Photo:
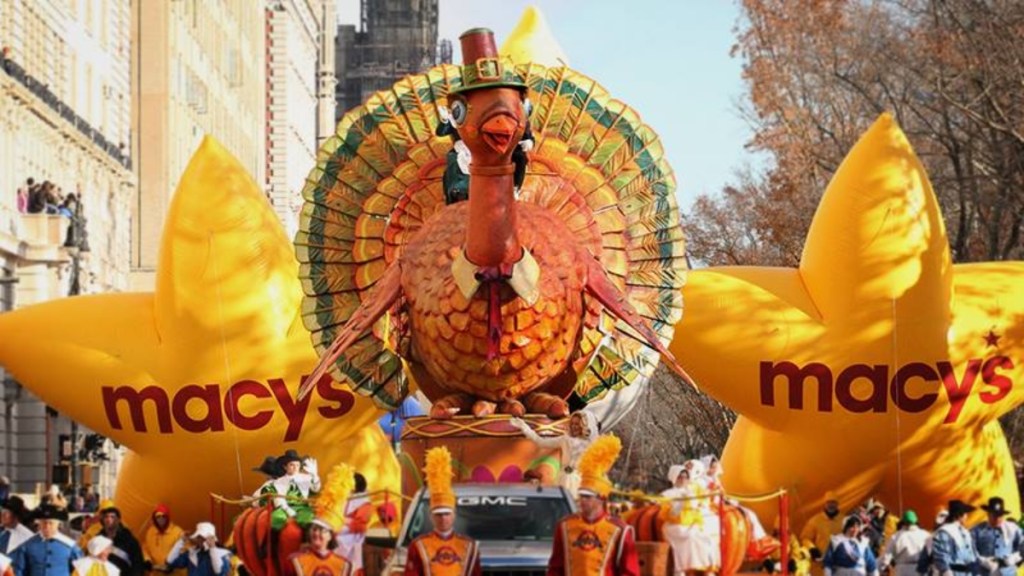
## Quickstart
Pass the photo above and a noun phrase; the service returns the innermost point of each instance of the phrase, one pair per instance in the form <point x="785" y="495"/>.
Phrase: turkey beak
<point x="498" y="132"/>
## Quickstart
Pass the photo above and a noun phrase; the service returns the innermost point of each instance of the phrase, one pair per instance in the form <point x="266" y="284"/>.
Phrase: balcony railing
<point x="14" y="70"/>
<point x="43" y="229"/>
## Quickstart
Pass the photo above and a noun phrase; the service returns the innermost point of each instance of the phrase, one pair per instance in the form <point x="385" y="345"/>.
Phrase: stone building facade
<point x="394" y="38"/>
<point x="64" y="117"/>
<point x="198" y="68"/>
<point x="300" y="97"/>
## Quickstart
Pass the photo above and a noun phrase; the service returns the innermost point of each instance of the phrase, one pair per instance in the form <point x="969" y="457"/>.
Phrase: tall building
<point x="300" y="97"/>
<point x="394" y="38"/>
<point x="64" y="117"/>
<point x="111" y="98"/>
<point x="198" y="68"/>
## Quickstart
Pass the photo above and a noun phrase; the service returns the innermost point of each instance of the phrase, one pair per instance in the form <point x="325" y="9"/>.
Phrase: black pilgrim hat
<point x="50" y="512"/>
<point x="995" y="506"/>
<point x="288" y="456"/>
<point x="15" y="505"/>
<point x="958" y="508"/>
<point x="269" y="467"/>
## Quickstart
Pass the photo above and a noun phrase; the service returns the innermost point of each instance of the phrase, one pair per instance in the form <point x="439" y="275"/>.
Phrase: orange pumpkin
<point x="262" y="551"/>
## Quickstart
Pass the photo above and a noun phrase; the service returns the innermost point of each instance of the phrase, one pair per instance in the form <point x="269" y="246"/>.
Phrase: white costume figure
<point x="905" y="547"/>
<point x="714" y="474"/>
<point x="352" y="535"/>
<point x="96" y="563"/>
<point x="583" y="430"/>
<point x="691" y="526"/>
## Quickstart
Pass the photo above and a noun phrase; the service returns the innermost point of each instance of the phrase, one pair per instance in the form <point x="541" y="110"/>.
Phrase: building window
<point x="7" y="282"/>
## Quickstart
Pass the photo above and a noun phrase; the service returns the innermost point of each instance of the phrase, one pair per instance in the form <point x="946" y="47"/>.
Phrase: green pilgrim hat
<point x="482" y="67"/>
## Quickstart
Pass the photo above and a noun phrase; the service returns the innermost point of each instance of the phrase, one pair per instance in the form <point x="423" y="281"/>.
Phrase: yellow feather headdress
<point x="330" y="504"/>
<point x="439" y="478"/>
<point x="595" y="463"/>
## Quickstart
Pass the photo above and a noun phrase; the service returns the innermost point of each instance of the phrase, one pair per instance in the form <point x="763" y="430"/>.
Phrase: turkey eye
<point x="458" y="112"/>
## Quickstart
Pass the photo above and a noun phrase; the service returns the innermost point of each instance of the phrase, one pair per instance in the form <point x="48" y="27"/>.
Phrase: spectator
<point x="97" y="563"/>
<point x="879" y="526"/>
<point x="849" y="554"/>
<point x="952" y="545"/>
<point x="48" y="553"/>
<point x="159" y="539"/>
<point x="924" y="561"/>
<point x="12" y="516"/>
<point x="91" y="501"/>
<point x="816" y="533"/>
<point x="904" y="549"/>
<point x="997" y="541"/>
<point x="36" y="199"/>
<point x="50" y="197"/>
<point x="23" y="196"/>
<point x="68" y="206"/>
<point x="5" y="488"/>
<point x="127" y="554"/>
<point x="55" y="497"/>
<point x="200" y="554"/>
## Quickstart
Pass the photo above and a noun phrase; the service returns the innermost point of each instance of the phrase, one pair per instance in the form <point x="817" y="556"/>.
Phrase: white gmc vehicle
<point x="514" y="523"/>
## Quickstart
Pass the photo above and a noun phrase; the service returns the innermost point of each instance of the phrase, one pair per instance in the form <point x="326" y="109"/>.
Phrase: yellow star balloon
<point x="532" y="41"/>
<point x="198" y="378"/>
<point x="875" y="368"/>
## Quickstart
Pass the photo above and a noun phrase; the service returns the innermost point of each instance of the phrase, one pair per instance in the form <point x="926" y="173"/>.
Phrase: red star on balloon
<point x="992" y="339"/>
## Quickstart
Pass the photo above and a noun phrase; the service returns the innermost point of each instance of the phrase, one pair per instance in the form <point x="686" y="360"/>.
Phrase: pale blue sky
<point x="668" y="60"/>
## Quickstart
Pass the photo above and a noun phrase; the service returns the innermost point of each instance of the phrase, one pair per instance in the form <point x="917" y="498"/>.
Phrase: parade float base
<point x="488" y="449"/>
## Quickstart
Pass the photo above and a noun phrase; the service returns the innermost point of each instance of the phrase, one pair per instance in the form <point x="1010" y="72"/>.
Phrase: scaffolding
<point x="394" y="38"/>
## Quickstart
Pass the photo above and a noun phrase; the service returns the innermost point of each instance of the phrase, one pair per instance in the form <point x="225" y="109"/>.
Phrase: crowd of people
<point x="36" y="542"/>
<point x="867" y="541"/>
<point x="870" y="540"/>
<point x="46" y="198"/>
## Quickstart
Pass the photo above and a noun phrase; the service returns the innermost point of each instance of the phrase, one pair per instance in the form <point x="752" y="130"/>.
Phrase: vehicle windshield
<point x="497" y="518"/>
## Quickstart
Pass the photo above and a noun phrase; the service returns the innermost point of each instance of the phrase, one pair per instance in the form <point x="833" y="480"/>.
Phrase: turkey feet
<point x="452" y="405"/>
<point x="547" y="404"/>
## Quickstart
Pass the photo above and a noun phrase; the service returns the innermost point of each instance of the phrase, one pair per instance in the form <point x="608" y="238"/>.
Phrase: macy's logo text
<point x="217" y="408"/>
<point x="957" y="389"/>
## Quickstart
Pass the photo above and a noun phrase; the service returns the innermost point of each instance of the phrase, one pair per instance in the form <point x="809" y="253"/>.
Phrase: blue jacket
<point x="199" y="563"/>
<point x="953" y="550"/>
<point x="849" y="554"/>
<point x="1003" y="544"/>
<point x="39" y="557"/>
<point x="11" y="538"/>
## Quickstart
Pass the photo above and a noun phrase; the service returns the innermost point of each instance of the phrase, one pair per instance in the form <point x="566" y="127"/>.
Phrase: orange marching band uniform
<point x="316" y="558"/>
<point x="603" y="547"/>
<point x="599" y="545"/>
<point x="311" y="562"/>
<point x="436" y="553"/>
